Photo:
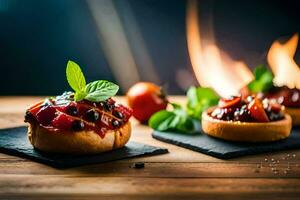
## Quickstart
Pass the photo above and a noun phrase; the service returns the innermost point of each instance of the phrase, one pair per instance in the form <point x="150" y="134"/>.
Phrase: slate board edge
<point x="187" y="146"/>
<point x="214" y="154"/>
<point x="59" y="165"/>
<point x="62" y="165"/>
<point x="158" y="151"/>
<point x="20" y="154"/>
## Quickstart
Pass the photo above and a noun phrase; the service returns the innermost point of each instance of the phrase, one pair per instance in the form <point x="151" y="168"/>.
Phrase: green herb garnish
<point x="174" y="120"/>
<point x="263" y="80"/>
<point x="199" y="99"/>
<point x="95" y="91"/>
<point x="185" y="120"/>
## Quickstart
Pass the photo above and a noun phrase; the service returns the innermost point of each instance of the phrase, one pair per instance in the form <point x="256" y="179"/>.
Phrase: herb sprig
<point x="176" y="119"/>
<point x="263" y="80"/>
<point x="95" y="91"/>
<point x="199" y="99"/>
<point x="185" y="120"/>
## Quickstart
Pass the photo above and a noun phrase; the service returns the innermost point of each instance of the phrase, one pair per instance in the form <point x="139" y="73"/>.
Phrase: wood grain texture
<point x="180" y="174"/>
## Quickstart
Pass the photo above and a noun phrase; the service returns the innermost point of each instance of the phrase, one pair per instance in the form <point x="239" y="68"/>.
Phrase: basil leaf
<point x="75" y="77"/>
<point x="176" y="106"/>
<point x="100" y="90"/>
<point x="95" y="91"/>
<point x="159" y="117"/>
<point x="192" y="97"/>
<point x="263" y="80"/>
<point x="176" y="120"/>
<point x="186" y="125"/>
<point x="199" y="99"/>
<point x="79" y="96"/>
<point x="165" y="124"/>
<point x="181" y="120"/>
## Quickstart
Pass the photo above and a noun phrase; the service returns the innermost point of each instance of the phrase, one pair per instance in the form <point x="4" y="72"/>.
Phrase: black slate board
<point x="14" y="141"/>
<point x="224" y="149"/>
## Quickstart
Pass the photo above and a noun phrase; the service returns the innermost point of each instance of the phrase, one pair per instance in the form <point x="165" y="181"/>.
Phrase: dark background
<point x="37" y="39"/>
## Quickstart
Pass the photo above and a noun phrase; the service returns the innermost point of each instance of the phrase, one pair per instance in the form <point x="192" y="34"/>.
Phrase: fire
<point x="212" y="67"/>
<point x="280" y="58"/>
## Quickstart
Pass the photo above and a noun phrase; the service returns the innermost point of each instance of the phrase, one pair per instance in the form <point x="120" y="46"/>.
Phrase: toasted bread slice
<point x="247" y="131"/>
<point x="295" y="114"/>
<point x="77" y="143"/>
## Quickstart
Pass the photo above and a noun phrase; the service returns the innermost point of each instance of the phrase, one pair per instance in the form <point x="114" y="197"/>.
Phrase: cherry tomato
<point x="257" y="111"/>
<point x="227" y="103"/>
<point x="145" y="99"/>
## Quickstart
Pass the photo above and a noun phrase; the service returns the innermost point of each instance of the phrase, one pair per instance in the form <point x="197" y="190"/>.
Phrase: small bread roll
<point x="77" y="143"/>
<point x="247" y="131"/>
<point x="295" y="114"/>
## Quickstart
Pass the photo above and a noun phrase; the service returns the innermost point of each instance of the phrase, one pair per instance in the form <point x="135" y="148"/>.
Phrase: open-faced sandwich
<point x="248" y="120"/>
<point x="263" y="86"/>
<point x="87" y="121"/>
<point x="290" y="98"/>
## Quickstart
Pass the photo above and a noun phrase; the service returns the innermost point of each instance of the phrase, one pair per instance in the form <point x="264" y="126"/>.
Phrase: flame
<point x="212" y="67"/>
<point x="280" y="58"/>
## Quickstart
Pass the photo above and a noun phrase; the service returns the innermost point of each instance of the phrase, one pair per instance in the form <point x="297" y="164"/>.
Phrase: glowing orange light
<point x="280" y="59"/>
<point x="212" y="67"/>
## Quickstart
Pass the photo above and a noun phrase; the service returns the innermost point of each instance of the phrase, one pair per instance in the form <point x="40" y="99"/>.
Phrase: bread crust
<point x="247" y="131"/>
<point x="295" y="114"/>
<point x="77" y="143"/>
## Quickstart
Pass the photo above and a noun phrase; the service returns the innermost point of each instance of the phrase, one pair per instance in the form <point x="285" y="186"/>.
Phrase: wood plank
<point x="17" y="104"/>
<point x="11" y="185"/>
<point x="170" y="170"/>
<point x="206" y="196"/>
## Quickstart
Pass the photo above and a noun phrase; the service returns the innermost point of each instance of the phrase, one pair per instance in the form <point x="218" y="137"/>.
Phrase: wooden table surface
<point x="179" y="174"/>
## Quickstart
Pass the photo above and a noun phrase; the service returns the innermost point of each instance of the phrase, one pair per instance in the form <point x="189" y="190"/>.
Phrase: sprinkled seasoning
<point x="258" y="165"/>
<point x="284" y="167"/>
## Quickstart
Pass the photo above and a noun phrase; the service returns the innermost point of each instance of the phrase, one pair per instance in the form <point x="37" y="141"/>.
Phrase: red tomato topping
<point x="46" y="115"/>
<point x="227" y="103"/>
<point x="66" y="114"/>
<point x="257" y="111"/>
<point x="62" y="121"/>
